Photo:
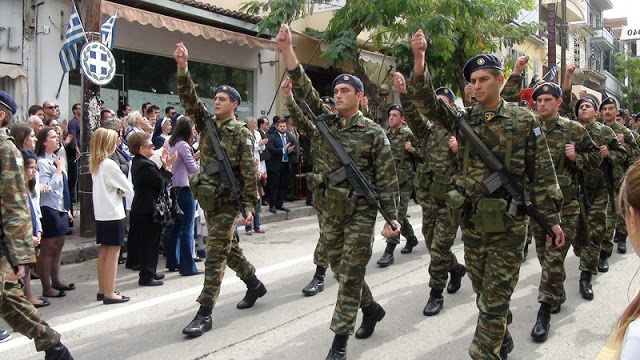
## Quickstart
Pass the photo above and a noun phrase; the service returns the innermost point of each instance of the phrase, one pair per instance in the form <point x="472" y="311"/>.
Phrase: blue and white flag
<point x="75" y="33"/>
<point x="553" y="72"/>
<point x="108" y="30"/>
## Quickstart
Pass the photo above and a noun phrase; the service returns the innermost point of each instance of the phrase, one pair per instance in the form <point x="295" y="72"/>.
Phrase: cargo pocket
<point x="440" y="186"/>
<point x="455" y="209"/>
<point x="208" y="197"/>
<point x="337" y="201"/>
<point x="569" y="191"/>
<point x="490" y="214"/>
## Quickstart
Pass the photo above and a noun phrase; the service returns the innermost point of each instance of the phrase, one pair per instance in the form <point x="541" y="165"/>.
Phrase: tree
<point x="627" y="68"/>
<point x="457" y="30"/>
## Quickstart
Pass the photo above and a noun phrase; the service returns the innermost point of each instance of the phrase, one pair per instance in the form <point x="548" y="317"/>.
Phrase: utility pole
<point x="551" y="30"/>
<point x="90" y="119"/>
<point x="563" y="42"/>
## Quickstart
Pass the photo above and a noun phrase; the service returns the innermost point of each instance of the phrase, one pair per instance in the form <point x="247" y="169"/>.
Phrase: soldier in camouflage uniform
<point x="16" y="242"/>
<point x="349" y="220"/>
<point x="595" y="183"/>
<point x="610" y="110"/>
<point x="434" y="179"/>
<point x="493" y="234"/>
<point x="574" y="154"/>
<point x="404" y="150"/>
<point x="217" y="201"/>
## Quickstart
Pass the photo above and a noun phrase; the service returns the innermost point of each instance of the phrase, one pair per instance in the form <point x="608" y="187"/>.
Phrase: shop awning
<point x="12" y="71"/>
<point x="160" y="21"/>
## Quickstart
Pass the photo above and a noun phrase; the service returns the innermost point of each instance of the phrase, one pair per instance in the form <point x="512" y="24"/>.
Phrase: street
<point x="286" y="325"/>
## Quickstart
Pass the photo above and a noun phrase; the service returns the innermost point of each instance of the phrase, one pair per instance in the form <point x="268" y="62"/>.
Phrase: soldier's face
<point x="620" y="119"/>
<point x="586" y="112"/>
<point x="609" y="112"/>
<point x="223" y="107"/>
<point x="395" y="119"/>
<point x="486" y="86"/>
<point x="347" y="99"/>
<point x="547" y="105"/>
<point x="445" y="99"/>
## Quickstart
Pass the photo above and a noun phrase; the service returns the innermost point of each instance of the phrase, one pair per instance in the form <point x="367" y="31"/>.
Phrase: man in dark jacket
<point x="282" y="147"/>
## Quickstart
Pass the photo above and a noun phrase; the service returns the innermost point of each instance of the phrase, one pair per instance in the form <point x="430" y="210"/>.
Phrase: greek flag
<point x="107" y="31"/>
<point x="553" y="72"/>
<point x="75" y="34"/>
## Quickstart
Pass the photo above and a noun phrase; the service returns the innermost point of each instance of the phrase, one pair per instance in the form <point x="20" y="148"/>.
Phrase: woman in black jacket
<point x="148" y="182"/>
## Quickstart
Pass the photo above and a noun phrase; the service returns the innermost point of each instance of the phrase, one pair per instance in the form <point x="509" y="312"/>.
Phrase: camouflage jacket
<point x="319" y="148"/>
<point x="403" y="159"/>
<point x="17" y="242"/>
<point x="560" y="131"/>
<point x="363" y="139"/>
<point x="630" y="145"/>
<point x="604" y="135"/>
<point x="235" y="139"/>
<point x="511" y="90"/>
<point x="530" y="161"/>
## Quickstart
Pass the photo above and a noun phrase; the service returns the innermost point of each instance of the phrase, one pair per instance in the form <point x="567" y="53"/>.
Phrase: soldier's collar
<point x="549" y="123"/>
<point x="349" y="121"/>
<point x="220" y="123"/>
<point x="490" y="114"/>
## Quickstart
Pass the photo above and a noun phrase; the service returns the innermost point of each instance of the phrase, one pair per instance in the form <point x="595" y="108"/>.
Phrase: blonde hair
<point x="102" y="145"/>
<point x="250" y="120"/>
<point x="132" y="118"/>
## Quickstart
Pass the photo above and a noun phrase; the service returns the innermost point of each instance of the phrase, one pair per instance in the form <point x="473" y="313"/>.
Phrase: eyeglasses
<point x="50" y="107"/>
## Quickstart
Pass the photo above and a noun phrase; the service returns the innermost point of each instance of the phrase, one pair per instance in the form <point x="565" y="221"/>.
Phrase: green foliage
<point x="628" y="68"/>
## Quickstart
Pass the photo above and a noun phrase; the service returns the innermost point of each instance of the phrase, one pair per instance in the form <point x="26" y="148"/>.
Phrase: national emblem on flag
<point x="108" y="30"/>
<point x="74" y="34"/>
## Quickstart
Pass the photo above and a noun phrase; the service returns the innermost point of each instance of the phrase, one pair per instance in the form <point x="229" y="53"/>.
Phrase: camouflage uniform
<point x="559" y="132"/>
<point x="218" y="203"/>
<point x="511" y="90"/>
<point x="349" y="219"/>
<point x="15" y="309"/>
<point x="433" y="181"/>
<point x="404" y="167"/>
<point x="493" y="239"/>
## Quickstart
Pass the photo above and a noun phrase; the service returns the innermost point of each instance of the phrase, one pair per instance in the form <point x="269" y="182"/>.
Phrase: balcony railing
<point x="603" y="39"/>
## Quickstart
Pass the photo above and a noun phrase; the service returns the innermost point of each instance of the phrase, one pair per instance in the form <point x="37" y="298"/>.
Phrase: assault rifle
<point x="610" y="185"/>
<point x="222" y="166"/>
<point x="583" y="235"/>
<point x="501" y="178"/>
<point x="349" y="171"/>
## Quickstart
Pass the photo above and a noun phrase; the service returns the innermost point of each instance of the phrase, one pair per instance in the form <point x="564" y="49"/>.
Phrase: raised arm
<point x="193" y="107"/>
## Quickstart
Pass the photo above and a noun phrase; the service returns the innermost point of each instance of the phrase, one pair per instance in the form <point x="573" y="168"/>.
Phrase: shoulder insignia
<point x="537" y="131"/>
<point x="386" y="141"/>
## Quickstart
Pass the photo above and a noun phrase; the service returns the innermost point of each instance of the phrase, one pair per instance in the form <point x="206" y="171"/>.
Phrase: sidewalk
<point x="78" y="249"/>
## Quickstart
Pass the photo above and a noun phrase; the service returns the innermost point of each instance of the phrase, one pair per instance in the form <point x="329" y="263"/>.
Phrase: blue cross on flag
<point x="74" y="34"/>
<point x="108" y="30"/>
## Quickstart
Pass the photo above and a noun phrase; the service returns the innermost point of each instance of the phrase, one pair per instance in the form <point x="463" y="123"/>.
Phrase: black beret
<point x="395" y="107"/>
<point x="233" y="93"/>
<point x="8" y="102"/>
<point x="609" y="100"/>
<point x="328" y="100"/>
<point x="444" y="91"/>
<point x="547" y="88"/>
<point x="482" y="61"/>
<point x="28" y="154"/>
<point x="585" y="99"/>
<point x="349" y="79"/>
<point x="621" y="113"/>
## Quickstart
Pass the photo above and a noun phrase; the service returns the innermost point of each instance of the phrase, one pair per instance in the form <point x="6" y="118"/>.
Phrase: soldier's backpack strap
<point x="507" y="123"/>
<point x="465" y="163"/>
<point x="566" y="128"/>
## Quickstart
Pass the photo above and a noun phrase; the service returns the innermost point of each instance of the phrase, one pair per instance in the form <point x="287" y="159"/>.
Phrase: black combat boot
<point x="372" y="314"/>
<point x="603" y="262"/>
<point x="507" y="345"/>
<point x="456" y="278"/>
<point x="200" y="324"/>
<point x="585" y="285"/>
<point x="387" y="257"/>
<point x="540" y="331"/>
<point x="58" y="352"/>
<point x="434" y="304"/>
<point x="255" y="290"/>
<point x="338" y="348"/>
<point x="622" y="242"/>
<point x="408" y="247"/>
<point x="563" y="299"/>
<point x="317" y="283"/>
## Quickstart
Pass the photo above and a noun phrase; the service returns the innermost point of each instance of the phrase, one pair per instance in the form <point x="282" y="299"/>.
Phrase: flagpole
<point x="60" y="86"/>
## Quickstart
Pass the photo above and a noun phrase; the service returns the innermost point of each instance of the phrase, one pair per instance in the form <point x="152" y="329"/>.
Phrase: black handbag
<point x="175" y="208"/>
<point x="163" y="212"/>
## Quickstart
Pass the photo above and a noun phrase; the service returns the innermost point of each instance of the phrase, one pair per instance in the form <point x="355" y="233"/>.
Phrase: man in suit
<point x="282" y="147"/>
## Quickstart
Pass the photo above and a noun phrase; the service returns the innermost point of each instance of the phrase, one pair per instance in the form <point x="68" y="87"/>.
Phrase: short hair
<point x="262" y="120"/>
<point x="136" y="140"/>
<point x="144" y="106"/>
<point x="132" y="118"/>
<point x="282" y="121"/>
<point x="152" y="108"/>
<point x="74" y="106"/>
<point x="113" y="124"/>
<point x="33" y="109"/>
<point x="495" y="72"/>
<point x="8" y="115"/>
<point x="276" y="118"/>
<point x="121" y="109"/>
<point x="104" y="111"/>
<point x="168" y="108"/>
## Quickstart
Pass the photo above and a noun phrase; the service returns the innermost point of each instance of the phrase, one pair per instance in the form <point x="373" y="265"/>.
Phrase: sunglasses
<point x="50" y="107"/>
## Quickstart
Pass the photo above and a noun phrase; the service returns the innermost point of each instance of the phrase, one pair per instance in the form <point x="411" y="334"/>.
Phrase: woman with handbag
<point x="110" y="185"/>
<point x="150" y="185"/>
<point x="181" y="237"/>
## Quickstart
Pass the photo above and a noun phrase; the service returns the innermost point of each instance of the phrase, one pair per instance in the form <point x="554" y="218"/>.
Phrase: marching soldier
<point x="493" y="230"/>
<point x="215" y="199"/>
<point x="404" y="149"/>
<point x="16" y="242"/>
<point x="595" y="184"/>
<point x="349" y="219"/>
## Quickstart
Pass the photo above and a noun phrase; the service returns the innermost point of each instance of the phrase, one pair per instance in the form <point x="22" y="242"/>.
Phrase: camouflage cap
<point x="547" y="88"/>
<point x="229" y="90"/>
<point x="395" y="107"/>
<point x="8" y="102"/>
<point x="482" y="61"/>
<point x="585" y="99"/>
<point x="445" y="91"/>
<point x="350" y="80"/>
<point x="608" y="101"/>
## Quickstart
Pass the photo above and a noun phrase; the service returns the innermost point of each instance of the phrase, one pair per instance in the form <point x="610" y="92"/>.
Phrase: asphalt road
<point x="286" y="325"/>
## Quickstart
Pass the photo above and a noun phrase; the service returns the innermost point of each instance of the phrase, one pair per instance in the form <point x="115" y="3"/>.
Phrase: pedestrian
<point x="259" y="147"/>
<point x="110" y="186"/>
<point x="282" y="147"/>
<point x="56" y="213"/>
<point x="219" y="205"/>
<point x="15" y="309"/>
<point x="350" y="221"/>
<point x="180" y="247"/>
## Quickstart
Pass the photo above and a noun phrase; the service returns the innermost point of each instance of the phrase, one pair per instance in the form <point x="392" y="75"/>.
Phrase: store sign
<point x="97" y="63"/>
<point x="630" y="32"/>
<point x="329" y="6"/>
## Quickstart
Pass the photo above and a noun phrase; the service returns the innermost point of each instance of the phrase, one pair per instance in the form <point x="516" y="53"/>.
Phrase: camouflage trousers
<point x="348" y="242"/>
<point x="439" y="233"/>
<point x="320" y="253"/>
<point x="615" y="223"/>
<point x="597" y="232"/>
<point x="493" y="266"/>
<point x="222" y="249"/>
<point x="23" y="317"/>
<point x="551" y="258"/>
<point x="406" y="229"/>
